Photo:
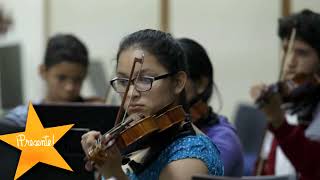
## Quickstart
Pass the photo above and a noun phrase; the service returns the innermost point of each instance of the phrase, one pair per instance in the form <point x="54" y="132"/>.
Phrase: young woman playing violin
<point x="158" y="83"/>
<point x="294" y="141"/>
<point x="199" y="88"/>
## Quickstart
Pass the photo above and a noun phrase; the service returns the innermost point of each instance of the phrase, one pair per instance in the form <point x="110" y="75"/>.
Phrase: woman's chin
<point x="136" y="111"/>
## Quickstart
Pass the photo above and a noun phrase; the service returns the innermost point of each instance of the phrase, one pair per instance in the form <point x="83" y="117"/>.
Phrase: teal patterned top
<point x="193" y="146"/>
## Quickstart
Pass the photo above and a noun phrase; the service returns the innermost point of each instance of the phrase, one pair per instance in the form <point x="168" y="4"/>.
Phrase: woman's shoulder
<point x="192" y="143"/>
<point x="194" y="146"/>
<point x="223" y="119"/>
<point x="187" y="147"/>
<point x="223" y="123"/>
<point x="189" y="141"/>
<point x="221" y="131"/>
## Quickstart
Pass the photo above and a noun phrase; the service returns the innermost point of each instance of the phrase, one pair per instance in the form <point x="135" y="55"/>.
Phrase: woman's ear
<point x="181" y="79"/>
<point x="43" y="71"/>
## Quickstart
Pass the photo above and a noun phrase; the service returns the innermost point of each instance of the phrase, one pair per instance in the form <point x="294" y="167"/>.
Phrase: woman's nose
<point x="132" y="91"/>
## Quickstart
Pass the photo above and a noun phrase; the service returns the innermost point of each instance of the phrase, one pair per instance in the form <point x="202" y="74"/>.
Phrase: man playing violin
<point x="157" y="83"/>
<point x="296" y="144"/>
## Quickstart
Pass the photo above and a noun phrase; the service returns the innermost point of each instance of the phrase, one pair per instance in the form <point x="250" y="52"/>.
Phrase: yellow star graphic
<point x="36" y="144"/>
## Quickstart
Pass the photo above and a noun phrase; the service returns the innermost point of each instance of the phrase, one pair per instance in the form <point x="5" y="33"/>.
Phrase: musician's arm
<point x="301" y="151"/>
<point x="183" y="169"/>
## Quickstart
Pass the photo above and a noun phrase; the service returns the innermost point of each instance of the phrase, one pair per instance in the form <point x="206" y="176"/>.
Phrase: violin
<point x="303" y="100"/>
<point x="293" y="90"/>
<point x="134" y="133"/>
<point x="299" y="96"/>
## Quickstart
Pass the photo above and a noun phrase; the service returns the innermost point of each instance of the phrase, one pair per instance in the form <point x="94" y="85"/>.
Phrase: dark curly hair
<point x="160" y="44"/>
<point x="307" y="25"/>
<point x="65" y="48"/>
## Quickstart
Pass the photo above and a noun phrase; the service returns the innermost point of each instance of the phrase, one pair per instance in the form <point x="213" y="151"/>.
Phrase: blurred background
<point x="240" y="37"/>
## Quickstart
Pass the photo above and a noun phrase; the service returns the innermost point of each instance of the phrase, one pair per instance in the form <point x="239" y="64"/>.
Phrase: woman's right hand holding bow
<point x="110" y="166"/>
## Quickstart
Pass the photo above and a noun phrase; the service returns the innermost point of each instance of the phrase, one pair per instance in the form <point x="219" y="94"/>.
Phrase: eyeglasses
<point x="142" y="84"/>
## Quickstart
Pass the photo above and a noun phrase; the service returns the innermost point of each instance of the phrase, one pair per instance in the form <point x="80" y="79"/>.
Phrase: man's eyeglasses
<point x="142" y="84"/>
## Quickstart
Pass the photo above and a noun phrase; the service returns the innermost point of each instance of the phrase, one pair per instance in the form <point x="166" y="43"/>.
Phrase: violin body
<point x="170" y="118"/>
<point x="136" y="134"/>
<point x="139" y="133"/>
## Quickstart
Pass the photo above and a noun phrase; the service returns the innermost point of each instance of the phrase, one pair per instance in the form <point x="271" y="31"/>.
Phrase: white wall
<point x="240" y="38"/>
<point x="298" y="5"/>
<point x="28" y="31"/>
<point x="102" y="24"/>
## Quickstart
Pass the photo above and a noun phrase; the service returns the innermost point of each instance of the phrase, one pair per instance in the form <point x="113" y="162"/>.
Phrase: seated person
<point x="64" y="69"/>
<point x="199" y="89"/>
<point x="177" y="154"/>
<point x="292" y="144"/>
